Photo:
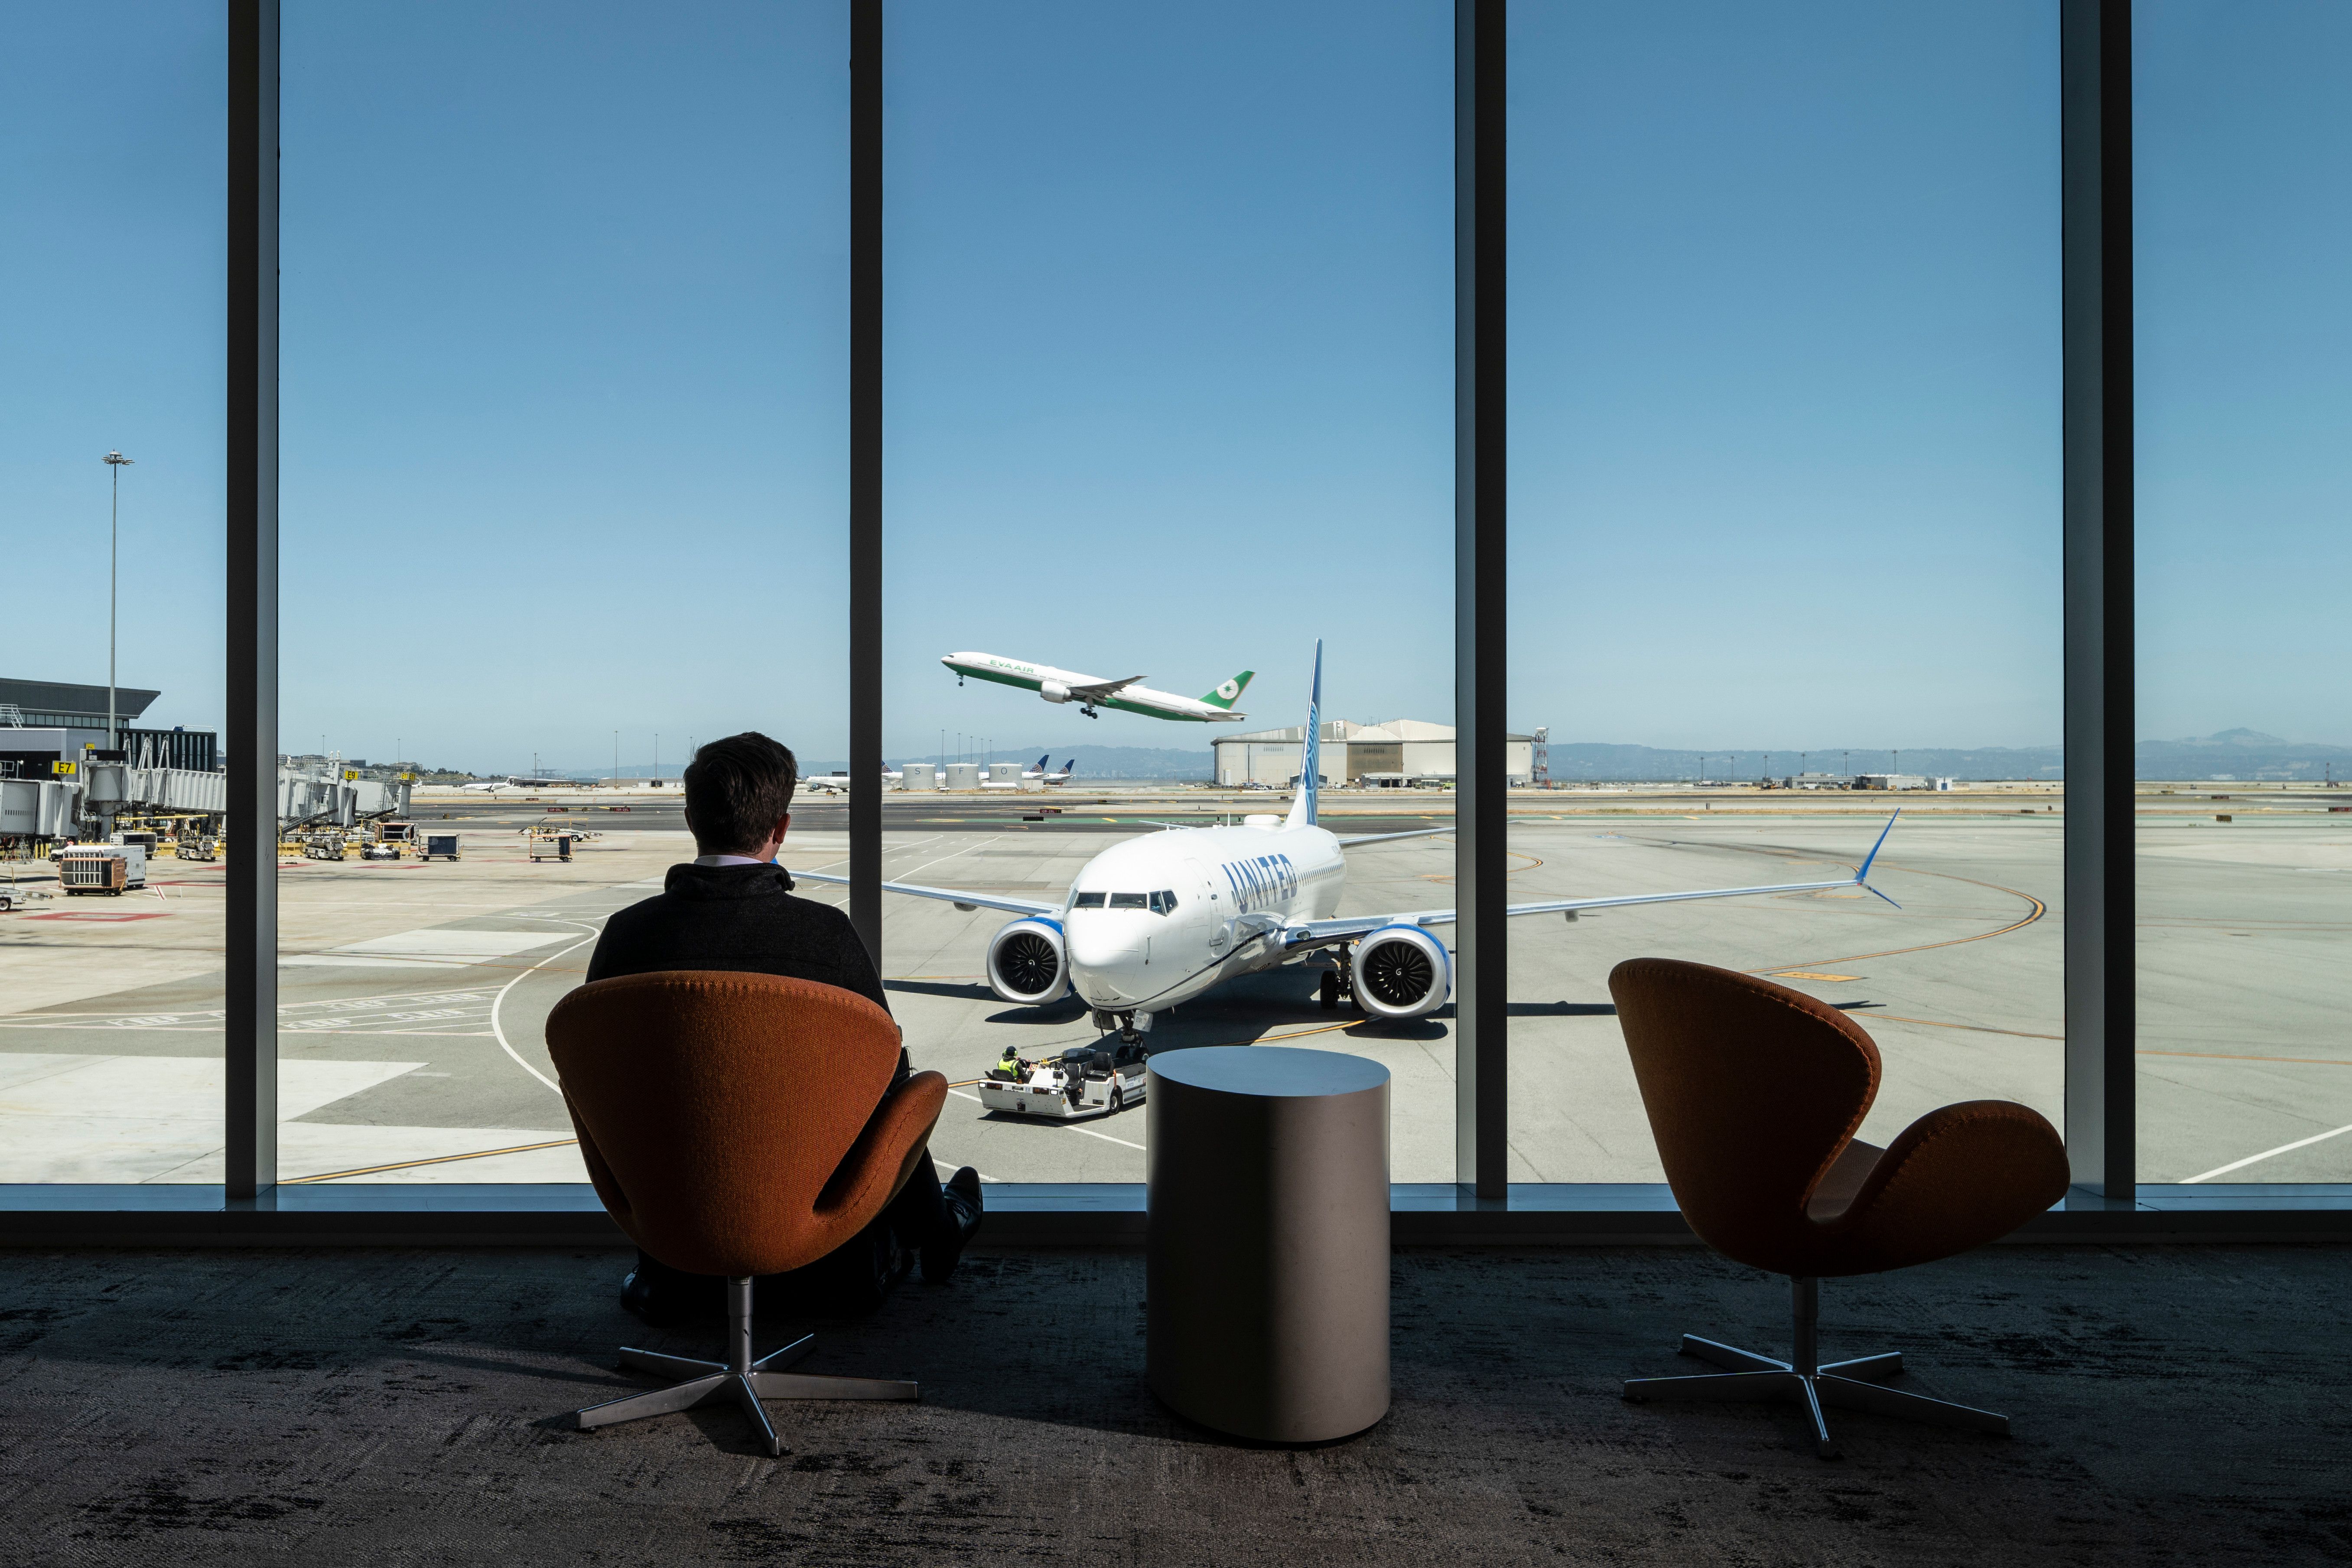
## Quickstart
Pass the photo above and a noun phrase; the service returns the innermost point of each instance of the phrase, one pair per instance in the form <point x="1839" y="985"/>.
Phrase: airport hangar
<point x="1396" y="752"/>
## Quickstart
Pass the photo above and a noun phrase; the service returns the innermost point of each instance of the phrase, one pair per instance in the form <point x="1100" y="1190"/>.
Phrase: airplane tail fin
<point x="1310" y="757"/>
<point x="1229" y="692"/>
<point x="1041" y="762"/>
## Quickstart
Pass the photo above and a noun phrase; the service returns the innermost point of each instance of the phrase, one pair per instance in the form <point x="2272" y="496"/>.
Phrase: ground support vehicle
<point x="109" y="868"/>
<point x="326" y="845"/>
<point x="16" y="898"/>
<point x="381" y="850"/>
<point x="441" y="844"/>
<point x="1075" y="1086"/>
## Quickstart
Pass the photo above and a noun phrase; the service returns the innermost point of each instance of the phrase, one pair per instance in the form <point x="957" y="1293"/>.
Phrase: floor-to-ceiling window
<point x="111" y="684"/>
<point x="1169" y="399"/>
<point x="563" y="480"/>
<point x="2243" y="145"/>
<point x="1785" y="538"/>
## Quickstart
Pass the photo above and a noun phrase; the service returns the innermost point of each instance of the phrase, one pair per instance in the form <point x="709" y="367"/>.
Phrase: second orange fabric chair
<point x="1754" y="1093"/>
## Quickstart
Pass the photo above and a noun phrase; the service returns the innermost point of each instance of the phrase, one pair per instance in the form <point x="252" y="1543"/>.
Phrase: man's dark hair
<point x="735" y="791"/>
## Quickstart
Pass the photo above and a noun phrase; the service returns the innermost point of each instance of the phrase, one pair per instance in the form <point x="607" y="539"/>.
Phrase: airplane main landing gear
<point x="1338" y="984"/>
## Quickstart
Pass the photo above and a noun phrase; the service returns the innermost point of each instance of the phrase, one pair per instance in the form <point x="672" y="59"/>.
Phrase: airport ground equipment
<point x="1266" y="1261"/>
<point x="325" y="843"/>
<point x="442" y="845"/>
<point x="197" y="845"/>
<point x="109" y="868"/>
<point x="549" y="846"/>
<point x="1078" y="1085"/>
<point x="14" y="898"/>
<point x="1754" y="1092"/>
<point x="380" y="849"/>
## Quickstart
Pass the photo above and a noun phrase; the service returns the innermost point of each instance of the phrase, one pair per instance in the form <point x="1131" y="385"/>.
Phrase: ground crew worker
<point x="1010" y="1065"/>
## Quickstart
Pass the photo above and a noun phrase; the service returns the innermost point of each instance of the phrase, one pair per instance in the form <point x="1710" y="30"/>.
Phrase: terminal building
<point x="1395" y="754"/>
<point x="44" y="723"/>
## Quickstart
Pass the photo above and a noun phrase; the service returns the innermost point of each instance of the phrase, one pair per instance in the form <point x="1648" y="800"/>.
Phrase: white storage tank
<point x="919" y="775"/>
<point x="963" y="775"/>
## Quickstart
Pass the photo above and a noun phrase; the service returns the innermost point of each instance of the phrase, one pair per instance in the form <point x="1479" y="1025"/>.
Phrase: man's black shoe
<point x="643" y="1302"/>
<point x="961" y="1197"/>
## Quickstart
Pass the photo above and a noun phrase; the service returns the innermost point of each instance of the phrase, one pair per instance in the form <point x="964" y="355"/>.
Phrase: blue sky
<point x="1169" y="367"/>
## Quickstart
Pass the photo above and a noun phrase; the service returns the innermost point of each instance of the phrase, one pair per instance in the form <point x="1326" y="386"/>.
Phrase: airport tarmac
<point x="412" y="996"/>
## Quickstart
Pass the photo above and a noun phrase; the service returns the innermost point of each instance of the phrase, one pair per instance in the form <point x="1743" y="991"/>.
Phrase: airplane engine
<point x="1026" y="963"/>
<point x="1402" y="972"/>
<point x="1053" y="691"/>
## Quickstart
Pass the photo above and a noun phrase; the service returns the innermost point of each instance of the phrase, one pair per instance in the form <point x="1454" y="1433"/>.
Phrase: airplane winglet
<point x="1862" y="876"/>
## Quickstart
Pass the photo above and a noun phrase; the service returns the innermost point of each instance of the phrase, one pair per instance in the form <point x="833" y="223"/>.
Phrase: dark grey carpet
<point x="2173" y="1406"/>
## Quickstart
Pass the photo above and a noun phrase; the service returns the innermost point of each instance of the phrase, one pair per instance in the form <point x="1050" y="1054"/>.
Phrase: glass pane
<point x="111" y="696"/>
<point x="2245" y="831"/>
<point x="564" y="482"/>
<point x="1785" y="532"/>
<point x="1170" y="397"/>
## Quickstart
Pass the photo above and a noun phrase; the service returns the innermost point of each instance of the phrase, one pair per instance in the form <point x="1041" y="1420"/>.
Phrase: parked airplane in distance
<point x="1092" y="692"/>
<point x="1158" y="919"/>
<point x="837" y="783"/>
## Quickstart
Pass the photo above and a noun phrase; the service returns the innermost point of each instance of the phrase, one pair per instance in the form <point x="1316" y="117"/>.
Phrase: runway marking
<point x="1068" y="1127"/>
<point x="2256" y="1159"/>
<point x="2038" y="910"/>
<point x="2234" y="1057"/>
<point x="496" y="1028"/>
<point x="1809" y="975"/>
<point x="1974" y="1028"/>
<point x="436" y="1159"/>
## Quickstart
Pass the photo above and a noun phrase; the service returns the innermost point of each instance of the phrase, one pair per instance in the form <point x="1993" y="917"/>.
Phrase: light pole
<point x="118" y="462"/>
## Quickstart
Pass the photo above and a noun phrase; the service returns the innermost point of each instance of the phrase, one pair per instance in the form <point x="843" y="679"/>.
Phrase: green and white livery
<point x="1092" y="692"/>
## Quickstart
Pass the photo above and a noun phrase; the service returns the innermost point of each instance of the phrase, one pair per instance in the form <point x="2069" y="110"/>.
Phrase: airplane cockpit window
<point x="1130" y="901"/>
<point x="1088" y="901"/>
<point x="1163" y="903"/>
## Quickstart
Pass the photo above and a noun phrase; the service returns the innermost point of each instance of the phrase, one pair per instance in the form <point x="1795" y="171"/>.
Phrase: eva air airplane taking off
<point x="1156" y="920"/>
<point x="1090" y="692"/>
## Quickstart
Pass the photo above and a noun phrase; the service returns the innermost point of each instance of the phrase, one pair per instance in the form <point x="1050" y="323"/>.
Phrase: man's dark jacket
<point x="741" y="918"/>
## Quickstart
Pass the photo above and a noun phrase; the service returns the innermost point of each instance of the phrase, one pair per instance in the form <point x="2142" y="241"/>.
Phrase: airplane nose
<point x="1105" y="960"/>
<point x="1102" y="944"/>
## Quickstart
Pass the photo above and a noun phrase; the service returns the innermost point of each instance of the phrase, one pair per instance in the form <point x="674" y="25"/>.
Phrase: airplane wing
<point x="949" y="894"/>
<point x="1103" y="689"/>
<point x="1302" y="932"/>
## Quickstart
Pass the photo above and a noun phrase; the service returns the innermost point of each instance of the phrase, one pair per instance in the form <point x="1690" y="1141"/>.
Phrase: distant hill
<point x="2239" y="755"/>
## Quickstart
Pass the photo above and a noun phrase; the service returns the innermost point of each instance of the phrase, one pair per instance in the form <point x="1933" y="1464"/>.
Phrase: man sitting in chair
<point x="733" y="908"/>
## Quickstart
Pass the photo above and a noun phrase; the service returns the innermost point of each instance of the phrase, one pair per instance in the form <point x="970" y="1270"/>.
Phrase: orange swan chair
<point x="729" y="1122"/>
<point x="1754" y="1092"/>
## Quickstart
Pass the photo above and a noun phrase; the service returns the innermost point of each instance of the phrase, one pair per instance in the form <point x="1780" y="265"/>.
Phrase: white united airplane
<point x="1090" y="692"/>
<point x="1156" y="920"/>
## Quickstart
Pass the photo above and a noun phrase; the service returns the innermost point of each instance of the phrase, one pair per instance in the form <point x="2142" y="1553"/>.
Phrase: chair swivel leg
<point x="747" y="1381"/>
<point x="1805" y="1381"/>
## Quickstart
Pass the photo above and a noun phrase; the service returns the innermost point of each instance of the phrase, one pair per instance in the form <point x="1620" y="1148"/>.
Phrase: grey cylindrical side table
<point x="1269" y="1256"/>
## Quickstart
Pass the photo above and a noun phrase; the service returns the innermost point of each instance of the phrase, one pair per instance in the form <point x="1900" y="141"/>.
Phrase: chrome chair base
<point x="746" y="1381"/>
<point x="1843" y="1385"/>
